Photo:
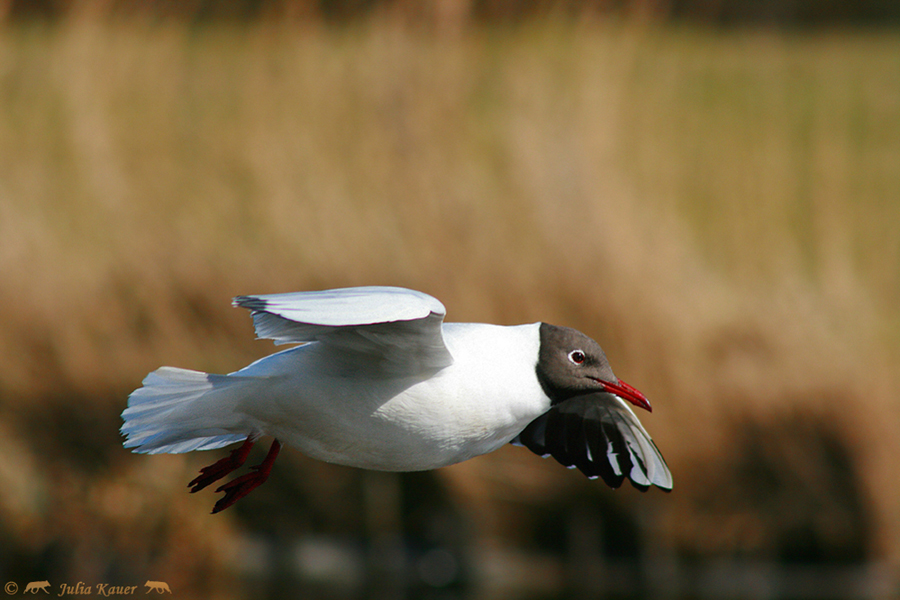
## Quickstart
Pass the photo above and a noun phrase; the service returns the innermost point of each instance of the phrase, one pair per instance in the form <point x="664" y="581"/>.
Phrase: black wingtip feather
<point x="589" y="432"/>
<point x="253" y="303"/>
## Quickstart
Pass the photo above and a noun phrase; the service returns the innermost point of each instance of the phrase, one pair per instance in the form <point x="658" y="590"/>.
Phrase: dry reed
<point x="720" y="211"/>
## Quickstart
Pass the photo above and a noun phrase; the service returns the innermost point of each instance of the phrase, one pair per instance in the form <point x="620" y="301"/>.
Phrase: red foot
<point x="243" y="485"/>
<point x="220" y="469"/>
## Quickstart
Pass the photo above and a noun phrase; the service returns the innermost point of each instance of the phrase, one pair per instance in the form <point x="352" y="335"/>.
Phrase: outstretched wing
<point x="393" y="329"/>
<point x="600" y="435"/>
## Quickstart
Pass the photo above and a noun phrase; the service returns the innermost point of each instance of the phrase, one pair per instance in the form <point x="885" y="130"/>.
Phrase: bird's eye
<point x="576" y="356"/>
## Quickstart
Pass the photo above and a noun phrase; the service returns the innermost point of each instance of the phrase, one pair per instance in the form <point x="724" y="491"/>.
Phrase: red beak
<point x="626" y="392"/>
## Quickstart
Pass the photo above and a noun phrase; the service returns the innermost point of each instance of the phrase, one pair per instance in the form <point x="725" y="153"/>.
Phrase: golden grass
<point x="719" y="210"/>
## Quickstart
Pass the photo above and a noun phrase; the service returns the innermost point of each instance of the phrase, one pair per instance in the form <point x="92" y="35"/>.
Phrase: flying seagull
<point x="377" y="380"/>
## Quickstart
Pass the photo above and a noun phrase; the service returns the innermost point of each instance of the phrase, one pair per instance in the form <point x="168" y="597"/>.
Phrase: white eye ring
<point x="576" y="356"/>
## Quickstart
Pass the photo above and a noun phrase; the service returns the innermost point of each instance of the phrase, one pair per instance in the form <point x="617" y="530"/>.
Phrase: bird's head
<point x="570" y="363"/>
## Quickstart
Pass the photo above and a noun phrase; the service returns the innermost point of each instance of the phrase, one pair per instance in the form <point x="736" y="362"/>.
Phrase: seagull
<point x="377" y="380"/>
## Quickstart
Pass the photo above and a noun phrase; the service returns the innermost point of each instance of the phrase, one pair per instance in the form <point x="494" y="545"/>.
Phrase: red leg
<point x="220" y="469"/>
<point x="243" y="485"/>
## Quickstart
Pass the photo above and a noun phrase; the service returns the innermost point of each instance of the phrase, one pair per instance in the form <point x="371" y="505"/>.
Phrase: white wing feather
<point x="347" y="306"/>
<point x="401" y="329"/>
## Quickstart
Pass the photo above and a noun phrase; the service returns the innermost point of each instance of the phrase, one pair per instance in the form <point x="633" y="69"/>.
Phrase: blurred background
<point x="710" y="188"/>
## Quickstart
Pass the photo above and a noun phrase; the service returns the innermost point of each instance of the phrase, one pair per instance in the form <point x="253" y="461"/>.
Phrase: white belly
<point x="472" y="407"/>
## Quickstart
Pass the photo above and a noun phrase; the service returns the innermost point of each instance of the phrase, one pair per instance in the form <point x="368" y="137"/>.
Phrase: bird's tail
<point x="178" y="410"/>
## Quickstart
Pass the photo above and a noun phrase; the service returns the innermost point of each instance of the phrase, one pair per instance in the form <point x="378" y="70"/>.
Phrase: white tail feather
<point x="178" y="410"/>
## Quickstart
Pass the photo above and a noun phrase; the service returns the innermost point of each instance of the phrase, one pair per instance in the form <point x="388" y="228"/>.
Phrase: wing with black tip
<point x="600" y="435"/>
